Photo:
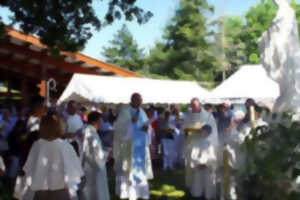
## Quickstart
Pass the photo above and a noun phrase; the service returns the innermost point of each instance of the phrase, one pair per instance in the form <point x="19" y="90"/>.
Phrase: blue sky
<point x="163" y="10"/>
<point x="147" y="34"/>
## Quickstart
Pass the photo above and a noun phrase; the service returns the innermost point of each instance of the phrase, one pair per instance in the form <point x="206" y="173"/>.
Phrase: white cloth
<point x="94" y="160"/>
<point x="123" y="157"/>
<point x="194" y="148"/>
<point x="52" y="165"/>
<point x="74" y="123"/>
<point x="33" y="124"/>
<point x="280" y="54"/>
<point x="236" y="156"/>
<point x="204" y="118"/>
<point x="203" y="180"/>
<point x="74" y="126"/>
<point x="168" y="153"/>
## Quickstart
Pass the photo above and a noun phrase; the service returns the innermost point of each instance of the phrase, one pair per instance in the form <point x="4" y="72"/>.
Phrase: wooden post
<point x="43" y="83"/>
<point x="24" y="90"/>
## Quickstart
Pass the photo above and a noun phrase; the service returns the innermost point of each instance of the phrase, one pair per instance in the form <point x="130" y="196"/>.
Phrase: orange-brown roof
<point x="26" y="52"/>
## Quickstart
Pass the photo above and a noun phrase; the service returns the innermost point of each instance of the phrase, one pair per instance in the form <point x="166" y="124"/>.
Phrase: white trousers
<point x="168" y="153"/>
<point x="203" y="183"/>
<point x="125" y="189"/>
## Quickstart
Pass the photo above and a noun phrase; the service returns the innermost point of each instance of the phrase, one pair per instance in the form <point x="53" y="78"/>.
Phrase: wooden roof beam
<point x="102" y="65"/>
<point x="32" y="69"/>
<point x="47" y="60"/>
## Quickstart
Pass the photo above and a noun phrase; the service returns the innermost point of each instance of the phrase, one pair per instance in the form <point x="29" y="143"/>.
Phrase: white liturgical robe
<point x="51" y="165"/>
<point x="94" y="165"/>
<point x="123" y="155"/>
<point x="196" y="154"/>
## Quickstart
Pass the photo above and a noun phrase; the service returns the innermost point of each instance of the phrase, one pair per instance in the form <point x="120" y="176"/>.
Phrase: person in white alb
<point x="200" y="154"/>
<point x="94" y="161"/>
<point x="131" y="152"/>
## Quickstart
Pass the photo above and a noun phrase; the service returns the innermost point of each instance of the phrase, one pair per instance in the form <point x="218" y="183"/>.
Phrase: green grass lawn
<point x="164" y="186"/>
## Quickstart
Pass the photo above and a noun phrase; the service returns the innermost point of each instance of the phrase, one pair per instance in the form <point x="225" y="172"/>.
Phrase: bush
<point x="272" y="170"/>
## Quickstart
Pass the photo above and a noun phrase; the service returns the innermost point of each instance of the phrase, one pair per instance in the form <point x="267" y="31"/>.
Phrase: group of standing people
<point x="60" y="154"/>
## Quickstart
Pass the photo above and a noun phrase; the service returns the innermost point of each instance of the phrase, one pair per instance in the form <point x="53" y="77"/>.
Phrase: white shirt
<point x="52" y="165"/>
<point x="74" y="123"/>
<point x="33" y="124"/>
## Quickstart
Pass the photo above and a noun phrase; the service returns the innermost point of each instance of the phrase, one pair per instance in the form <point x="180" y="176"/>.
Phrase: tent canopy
<point x="102" y="89"/>
<point x="250" y="81"/>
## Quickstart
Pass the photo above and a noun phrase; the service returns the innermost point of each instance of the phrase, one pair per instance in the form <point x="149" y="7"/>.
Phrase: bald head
<point x="136" y="100"/>
<point x="196" y="105"/>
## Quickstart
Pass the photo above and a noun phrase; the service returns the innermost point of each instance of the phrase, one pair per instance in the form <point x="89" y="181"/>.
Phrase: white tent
<point x="250" y="81"/>
<point x="115" y="90"/>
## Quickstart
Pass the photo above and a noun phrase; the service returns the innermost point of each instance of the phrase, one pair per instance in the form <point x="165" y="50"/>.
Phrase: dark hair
<point x="70" y="103"/>
<point x="167" y="114"/>
<point x="160" y="110"/>
<point x="251" y="101"/>
<point x="207" y="128"/>
<point x="195" y="99"/>
<point x="258" y="108"/>
<point x="83" y="109"/>
<point x="94" y="116"/>
<point x="52" y="126"/>
<point x="208" y="106"/>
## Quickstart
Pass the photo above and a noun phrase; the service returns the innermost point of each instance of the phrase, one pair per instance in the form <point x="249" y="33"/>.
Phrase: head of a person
<point x="249" y="102"/>
<point x="52" y="126"/>
<point x="196" y="105"/>
<point x="167" y="115"/>
<point x="206" y="130"/>
<point x="225" y="110"/>
<point x="83" y="110"/>
<point x="175" y="110"/>
<point x="150" y="113"/>
<point x="72" y="108"/>
<point x="257" y="111"/>
<point x="136" y="100"/>
<point x="38" y="105"/>
<point x="208" y="107"/>
<point x="160" y="112"/>
<point x="95" y="119"/>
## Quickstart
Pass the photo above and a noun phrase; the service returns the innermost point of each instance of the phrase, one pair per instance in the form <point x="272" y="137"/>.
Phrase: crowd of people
<point x="63" y="152"/>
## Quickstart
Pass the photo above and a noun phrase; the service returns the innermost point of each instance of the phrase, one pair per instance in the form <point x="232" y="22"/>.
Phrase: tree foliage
<point x="272" y="170"/>
<point x="124" y="51"/>
<point x="257" y="20"/>
<point x="228" y="49"/>
<point x="68" y="24"/>
<point x="184" y="52"/>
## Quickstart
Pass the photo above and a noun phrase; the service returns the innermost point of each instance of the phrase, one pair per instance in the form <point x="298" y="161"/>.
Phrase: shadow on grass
<point x="165" y="186"/>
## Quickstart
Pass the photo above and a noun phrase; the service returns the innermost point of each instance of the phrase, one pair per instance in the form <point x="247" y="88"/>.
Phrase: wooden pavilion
<point x="26" y="65"/>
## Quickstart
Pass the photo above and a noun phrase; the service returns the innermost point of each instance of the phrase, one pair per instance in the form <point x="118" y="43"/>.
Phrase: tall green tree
<point x="257" y="19"/>
<point x="228" y="48"/>
<point x="68" y="24"/>
<point x="124" y="51"/>
<point x="184" y="54"/>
